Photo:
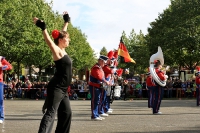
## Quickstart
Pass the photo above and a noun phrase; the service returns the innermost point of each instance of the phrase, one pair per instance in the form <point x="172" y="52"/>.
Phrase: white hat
<point x="103" y="57"/>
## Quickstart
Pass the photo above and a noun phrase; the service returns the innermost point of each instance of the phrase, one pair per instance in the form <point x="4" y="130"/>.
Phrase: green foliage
<point x="22" y="42"/>
<point x="177" y="31"/>
<point x="103" y="51"/>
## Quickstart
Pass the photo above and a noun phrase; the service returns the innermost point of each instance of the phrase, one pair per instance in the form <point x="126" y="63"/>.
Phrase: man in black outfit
<point x="125" y="89"/>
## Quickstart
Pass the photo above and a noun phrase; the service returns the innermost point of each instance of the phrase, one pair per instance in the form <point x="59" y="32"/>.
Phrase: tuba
<point x="157" y="56"/>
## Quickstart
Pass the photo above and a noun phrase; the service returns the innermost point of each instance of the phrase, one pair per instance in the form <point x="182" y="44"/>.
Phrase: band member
<point x="157" y="90"/>
<point x="149" y="84"/>
<point x="4" y="65"/>
<point x="97" y="78"/>
<point x="197" y="80"/>
<point x="114" y="81"/>
<point x="108" y="71"/>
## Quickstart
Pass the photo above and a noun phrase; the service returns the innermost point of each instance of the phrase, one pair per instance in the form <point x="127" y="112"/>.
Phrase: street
<point x="179" y="116"/>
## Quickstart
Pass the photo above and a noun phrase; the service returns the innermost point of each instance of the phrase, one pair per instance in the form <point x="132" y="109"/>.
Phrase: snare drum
<point x="117" y="91"/>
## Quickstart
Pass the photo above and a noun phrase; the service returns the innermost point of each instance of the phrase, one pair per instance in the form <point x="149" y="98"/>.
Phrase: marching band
<point x="102" y="86"/>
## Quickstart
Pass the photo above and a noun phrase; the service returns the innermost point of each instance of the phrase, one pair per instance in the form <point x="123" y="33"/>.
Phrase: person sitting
<point x="5" y="94"/>
<point x="10" y="95"/>
<point x="14" y="95"/>
<point x="38" y="94"/>
<point x="70" y="93"/>
<point x="139" y="88"/>
<point x="75" y="96"/>
<point x="88" y="96"/>
<point x="189" y="92"/>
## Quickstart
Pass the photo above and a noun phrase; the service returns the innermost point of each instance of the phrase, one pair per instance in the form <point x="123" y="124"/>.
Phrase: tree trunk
<point x="18" y="67"/>
<point x="29" y="72"/>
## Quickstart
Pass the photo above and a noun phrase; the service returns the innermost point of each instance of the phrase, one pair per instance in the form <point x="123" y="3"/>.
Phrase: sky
<point x="103" y="21"/>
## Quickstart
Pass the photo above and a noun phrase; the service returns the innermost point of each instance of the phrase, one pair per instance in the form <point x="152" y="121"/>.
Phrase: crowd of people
<point x="79" y="89"/>
<point x="173" y="89"/>
<point x="19" y="89"/>
<point x="38" y="90"/>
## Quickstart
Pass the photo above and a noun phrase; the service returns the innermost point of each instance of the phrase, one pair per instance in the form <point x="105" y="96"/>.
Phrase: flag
<point x="122" y="51"/>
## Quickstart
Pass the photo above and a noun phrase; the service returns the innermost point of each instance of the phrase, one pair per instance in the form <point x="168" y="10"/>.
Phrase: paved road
<point x="179" y="116"/>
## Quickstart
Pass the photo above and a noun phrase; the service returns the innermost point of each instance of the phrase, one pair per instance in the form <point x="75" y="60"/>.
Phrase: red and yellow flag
<point x="122" y="51"/>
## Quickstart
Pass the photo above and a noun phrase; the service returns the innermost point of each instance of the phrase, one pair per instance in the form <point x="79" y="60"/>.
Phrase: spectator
<point x="5" y="94"/>
<point x="88" y="96"/>
<point x="45" y="93"/>
<point x="18" y="83"/>
<point x="10" y="95"/>
<point x="14" y="95"/>
<point x="19" y="92"/>
<point x="194" y="88"/>
<point x="184" y="86"/>
<point x="75" y="96"/>
<point x="139" y="88"/>
<point x="38" y="94"/>
<point x="189" y="89"/>
<point x="23" y="94"/>
<point x="169" y="86"/>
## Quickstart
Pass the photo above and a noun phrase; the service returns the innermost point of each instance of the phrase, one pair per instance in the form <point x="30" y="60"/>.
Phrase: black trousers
<point x="57" y="102"/>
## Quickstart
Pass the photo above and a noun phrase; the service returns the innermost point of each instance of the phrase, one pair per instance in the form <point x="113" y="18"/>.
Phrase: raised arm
<point x="41" y="24"/>
<point x="66" y="20"/>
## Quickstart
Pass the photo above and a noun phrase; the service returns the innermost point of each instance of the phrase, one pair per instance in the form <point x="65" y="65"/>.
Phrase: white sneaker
<point x="109" y="112"/>
<point x="102" y="118"/>
<point x="104" y="115"/>
<point x="159" y="113"/>
<point x="110" y="109"/>
<point x="1" y="121"/>
<point x="97" y="119"/>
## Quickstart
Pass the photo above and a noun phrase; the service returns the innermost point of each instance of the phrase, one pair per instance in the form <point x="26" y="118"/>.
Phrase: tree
<point x="103" y="51"/>
<point x="17" y="28"/>
<point x="21" y="41"/>
<point x="177" y="33"/>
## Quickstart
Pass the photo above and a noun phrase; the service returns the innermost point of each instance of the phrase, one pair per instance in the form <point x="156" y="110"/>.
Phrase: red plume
<point x="110" y="54"/>
<point x="55" y="34"/>
<point x="115" y="54"/>
<point x="155" y="61"/>
<point x="198" y="68"/>
<point x="119" y="72"/>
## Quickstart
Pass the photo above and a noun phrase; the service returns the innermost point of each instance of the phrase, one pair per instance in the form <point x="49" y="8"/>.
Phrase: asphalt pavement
<point x="131" y="116"/>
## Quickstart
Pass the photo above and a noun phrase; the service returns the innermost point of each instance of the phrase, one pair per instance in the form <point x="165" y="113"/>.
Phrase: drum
<point x="108" y="90"/>
<point x="117" y="91"/>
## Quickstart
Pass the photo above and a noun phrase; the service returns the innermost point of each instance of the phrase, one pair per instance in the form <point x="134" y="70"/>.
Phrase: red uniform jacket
<point x="150" y="81"/>
<point x="5" y="66"/>
<point x="107" y="71"/>
<point x="160" y="74"/>
<point x="97" y="74"/>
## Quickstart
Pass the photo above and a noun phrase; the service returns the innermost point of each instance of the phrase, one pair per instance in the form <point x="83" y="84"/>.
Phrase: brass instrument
<point x="157" y="56"/>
